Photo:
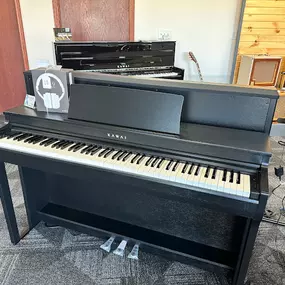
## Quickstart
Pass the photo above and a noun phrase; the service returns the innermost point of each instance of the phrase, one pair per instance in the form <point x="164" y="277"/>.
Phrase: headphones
<point x="51" y="100"/>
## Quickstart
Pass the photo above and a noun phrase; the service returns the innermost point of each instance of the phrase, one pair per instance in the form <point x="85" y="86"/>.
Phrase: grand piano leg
<point x="8" y="208"/>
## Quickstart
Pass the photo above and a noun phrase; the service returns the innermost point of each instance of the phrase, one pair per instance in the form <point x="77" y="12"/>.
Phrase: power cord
<point x="279" y="172"/>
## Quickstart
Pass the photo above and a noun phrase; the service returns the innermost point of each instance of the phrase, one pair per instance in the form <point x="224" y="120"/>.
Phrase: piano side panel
<point x="132" y="205"/>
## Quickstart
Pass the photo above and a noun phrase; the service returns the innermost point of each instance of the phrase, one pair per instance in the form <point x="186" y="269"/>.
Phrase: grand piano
<point x="140" y="59"/>
<point x="178" y="167"/>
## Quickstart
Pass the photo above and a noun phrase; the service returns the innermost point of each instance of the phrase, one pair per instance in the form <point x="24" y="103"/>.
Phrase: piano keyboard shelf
<point x="207" y="257"/>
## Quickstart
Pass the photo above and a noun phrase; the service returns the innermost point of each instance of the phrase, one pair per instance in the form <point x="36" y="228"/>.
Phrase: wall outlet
<point x="164" y="35"/>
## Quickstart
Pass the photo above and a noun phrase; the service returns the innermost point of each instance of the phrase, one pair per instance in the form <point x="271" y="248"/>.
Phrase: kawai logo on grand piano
<point x="116" y="136"/>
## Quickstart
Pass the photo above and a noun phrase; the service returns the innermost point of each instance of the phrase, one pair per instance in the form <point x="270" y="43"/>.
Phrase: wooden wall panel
<point x="56" y="13"/>
<point x="12" y="90"/>
<point x="22" y="34"/>
<point x="263" y="32"/>
<point x="96" y="20"/>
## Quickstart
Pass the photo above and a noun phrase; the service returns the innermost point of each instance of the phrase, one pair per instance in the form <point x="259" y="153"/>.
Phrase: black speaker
<point x="29" y="82"/>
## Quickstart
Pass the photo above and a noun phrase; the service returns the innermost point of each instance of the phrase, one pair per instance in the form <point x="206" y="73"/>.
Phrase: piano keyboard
<point x="163" y="169"/>
<point x="157" y="75"/>
<point x="137" y="72"/>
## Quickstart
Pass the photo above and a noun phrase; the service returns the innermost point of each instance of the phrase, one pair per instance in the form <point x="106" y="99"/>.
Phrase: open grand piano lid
<point x="126" y="107"/>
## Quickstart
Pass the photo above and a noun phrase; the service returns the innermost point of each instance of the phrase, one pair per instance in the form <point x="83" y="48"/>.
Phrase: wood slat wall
<point x="263" y="30"/>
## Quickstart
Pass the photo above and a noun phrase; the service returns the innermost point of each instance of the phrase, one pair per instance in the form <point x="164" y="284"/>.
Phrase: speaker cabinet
<point x="29" y="83"/>
<point x="259" y="70"/>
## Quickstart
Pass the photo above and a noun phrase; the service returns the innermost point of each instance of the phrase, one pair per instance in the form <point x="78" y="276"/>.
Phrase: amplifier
<point x="259" y="70"/>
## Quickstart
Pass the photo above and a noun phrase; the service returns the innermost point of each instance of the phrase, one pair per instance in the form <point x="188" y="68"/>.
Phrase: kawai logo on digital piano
<point x="116" y="136"/>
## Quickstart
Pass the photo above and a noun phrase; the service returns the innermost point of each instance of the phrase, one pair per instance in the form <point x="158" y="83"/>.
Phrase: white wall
<point x="206" y="27"/>
<point x="38" y="24"/>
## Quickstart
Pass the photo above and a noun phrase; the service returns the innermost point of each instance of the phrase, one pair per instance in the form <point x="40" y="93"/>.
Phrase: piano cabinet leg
<point x="34" y="191"/>
<point x="7" y="204"/>
<point x="250" y="233"/>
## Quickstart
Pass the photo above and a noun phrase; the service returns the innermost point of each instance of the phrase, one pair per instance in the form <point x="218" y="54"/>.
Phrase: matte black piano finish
<point x="120" y="58"/>
<point x="193" y="225"/>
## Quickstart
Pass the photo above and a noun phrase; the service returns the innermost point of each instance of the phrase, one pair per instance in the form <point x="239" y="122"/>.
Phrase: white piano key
<point x="179" y="170"/>
<point x="196" y="178"/>
<point x="182" y="177"/>
<point x="233" y="184"/>
<point x="207" y="182"/>
<point x="246" y="185"/>
<point x="213" y="183"/>
<point x="221" y="183"/>
<point x="191" y="177"/>
<point x="202" y="178"/>
<point x="239" y="187"/>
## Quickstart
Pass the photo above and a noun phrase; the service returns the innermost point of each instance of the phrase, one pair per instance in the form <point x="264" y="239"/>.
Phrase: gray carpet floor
<point x="58" y="256"/>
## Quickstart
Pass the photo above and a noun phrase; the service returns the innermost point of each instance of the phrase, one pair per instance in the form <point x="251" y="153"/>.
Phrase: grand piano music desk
<point x="188" y="181"/>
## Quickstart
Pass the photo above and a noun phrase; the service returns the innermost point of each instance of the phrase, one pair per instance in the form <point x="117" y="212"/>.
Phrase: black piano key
<point x="225" y="175"/>
<point x="191" y="168"/>
<point x="232" y="177"/>
<point x="63" y="142"/>
<point x="21" y="136"/>
<point x="122" y="155"/>
<point x="135" y="158"/>
<point x="214" y="173"/>
<point x="197" y="170"/>
<point x="56" y="144"/>
<point x="238" y="178"/>
<point x="66" y="145"/>
<point x="86" y="148"/>
<point x="127" y="156"/>
<point x="149" y="161"/>
<point x="79" y="147"/>
<point x="74" y="146"/>
<point x="160" y="163"/>
<point x="109" y="153"/>
<point x="103" y="152"/>
<point x="91" y="149"/>
<point x="24" y="137"/>
<point x="32" y="139"/>
<point x="185" y="167"/>
<point x="45" y="141"/>
<point x="140" y="159"/>
<point x="154" y="162"/>
<point x="27" y="140"/>
<point x="51" y="142"/>
<point x="175" y="166"/>
<point x="13" y="134"/>
<point x="39" y="139"/>
<point x="94" y="151"/>
<point x="117" y="154"/>
<point x="169" y="164"/>
<point x="207" y="172"/>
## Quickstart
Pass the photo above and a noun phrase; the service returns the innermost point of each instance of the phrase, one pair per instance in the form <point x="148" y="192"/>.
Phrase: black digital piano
<point x="178" y="167"/>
